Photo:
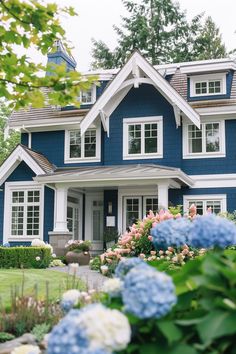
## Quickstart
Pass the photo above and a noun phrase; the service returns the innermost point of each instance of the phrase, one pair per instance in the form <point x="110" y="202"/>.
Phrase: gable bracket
<point x="177" y="113"/>
<point x="105" y="121"/>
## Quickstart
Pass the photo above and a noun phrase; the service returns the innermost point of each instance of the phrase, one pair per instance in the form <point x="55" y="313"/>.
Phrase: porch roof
<point x="117" y="175"/>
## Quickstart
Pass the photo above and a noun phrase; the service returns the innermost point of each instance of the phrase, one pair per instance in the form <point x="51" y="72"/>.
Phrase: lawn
<point x="13" y="279"/>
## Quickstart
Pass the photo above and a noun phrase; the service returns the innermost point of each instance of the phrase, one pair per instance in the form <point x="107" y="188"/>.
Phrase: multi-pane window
<point x="25" y="213"/>
<point x="151" y="204"/>
<point x="82" y="147"/>
<point x="88" y="96"/>
<point x="142" y="138"/>
<point x="208" y="87"/>
<point x="132" y="210"/>
<point x="204" y="140"/>
<point x="205" y="205"/>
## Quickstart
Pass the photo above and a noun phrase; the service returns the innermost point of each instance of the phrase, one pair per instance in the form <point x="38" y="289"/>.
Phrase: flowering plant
<point x="78" y="246"/>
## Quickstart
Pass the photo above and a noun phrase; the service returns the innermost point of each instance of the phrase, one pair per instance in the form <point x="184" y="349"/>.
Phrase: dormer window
<point x="88" y="96"/>
<point x="208" y="85"/>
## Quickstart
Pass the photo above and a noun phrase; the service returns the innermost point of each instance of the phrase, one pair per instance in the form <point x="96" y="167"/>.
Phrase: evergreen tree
<point x="160" y="30"/>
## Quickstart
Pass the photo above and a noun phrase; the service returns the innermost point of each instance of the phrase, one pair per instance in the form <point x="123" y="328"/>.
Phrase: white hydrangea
<point x="105" y="328"/>
<point x="37" y="243"/>
<point x="112" y="287"/>
<point x="72" y="295"/>
<point x="38" y="258"/>
<point x="47" y="245"/>
<point x="26" y="349"/>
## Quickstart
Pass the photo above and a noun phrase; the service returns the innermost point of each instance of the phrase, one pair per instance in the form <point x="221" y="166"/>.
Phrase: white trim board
<point x="138" y="68"/>
<point x="206" y="78"/>
<point x="16" y="157"/>
<point x="214" y="181"/>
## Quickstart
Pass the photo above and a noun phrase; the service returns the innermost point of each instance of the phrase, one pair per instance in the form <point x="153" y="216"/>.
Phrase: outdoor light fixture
<point x="109" y="207"/>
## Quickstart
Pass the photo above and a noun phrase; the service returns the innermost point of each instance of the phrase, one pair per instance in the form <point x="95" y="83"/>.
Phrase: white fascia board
<point x="212" y="111"/>
<point x="214" y="181"/>
<point x="159" y="82"/>
<point x="204" y="67"/>
<point x="16" y="157"/>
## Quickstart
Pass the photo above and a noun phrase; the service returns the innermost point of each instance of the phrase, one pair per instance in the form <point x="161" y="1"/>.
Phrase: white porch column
<point x="162" y="193"/>
<point x="60" y="224"/>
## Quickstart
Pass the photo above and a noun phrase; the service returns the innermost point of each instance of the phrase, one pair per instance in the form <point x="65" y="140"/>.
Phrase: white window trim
<point x="205" y="197"/>
<point x="140" y="120"/>
<point x="206" y="78"/>
<point x="199" y="155"/>
<point x="18" y="186"/>
<point x="93" y="90"/>
<point x="68" y="159"/>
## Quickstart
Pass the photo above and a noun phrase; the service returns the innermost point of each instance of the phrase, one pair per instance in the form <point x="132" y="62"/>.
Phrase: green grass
<point x="13" y="279"/>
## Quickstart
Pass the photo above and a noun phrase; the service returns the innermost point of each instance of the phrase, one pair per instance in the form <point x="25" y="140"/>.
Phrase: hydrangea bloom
<point x="172" y="232"/>
<point x="113" y="287"/>
<point x="148" y="293"/>
<point x="126" y="265"/>
<point x="37" y="243"/>
<point x="70" y="299"/>
<point x="92" y="330"/>
<point x="212" y="231"/>
<point x="26" y="349"/>
<point x="7" y="244"/>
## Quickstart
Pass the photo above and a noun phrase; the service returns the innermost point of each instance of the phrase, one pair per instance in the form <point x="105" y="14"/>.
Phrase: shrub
<point x="40" y="330"/>
<point x="24" y="257"/>
<point x="4" y="337"/>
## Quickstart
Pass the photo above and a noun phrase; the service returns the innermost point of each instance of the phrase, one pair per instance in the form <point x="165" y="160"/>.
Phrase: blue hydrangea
<point x="126" y="265"/>
<point x="172" y="232"/>
<point x="212" y="231"/>
<point x="148" y="293"/>
<point x="66" y="305"/>
<point x="7" y="244"/>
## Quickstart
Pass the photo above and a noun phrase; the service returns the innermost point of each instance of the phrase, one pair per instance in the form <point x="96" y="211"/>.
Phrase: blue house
<point x="146" y="137"/>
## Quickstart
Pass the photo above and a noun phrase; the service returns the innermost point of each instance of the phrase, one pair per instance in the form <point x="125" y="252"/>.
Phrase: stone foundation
<point x="58" y="241"/>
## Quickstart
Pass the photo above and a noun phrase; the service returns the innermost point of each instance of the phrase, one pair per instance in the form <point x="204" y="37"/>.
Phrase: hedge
<point x="24" y="257"/>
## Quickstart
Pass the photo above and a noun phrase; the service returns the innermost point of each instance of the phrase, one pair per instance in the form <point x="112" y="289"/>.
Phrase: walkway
<point x="92" y="278"/>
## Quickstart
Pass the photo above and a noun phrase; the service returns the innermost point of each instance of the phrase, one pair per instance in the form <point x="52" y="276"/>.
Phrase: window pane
<point x="17" y="220"/>
<point x="215" y="86"/>
<point x="132" y="211"/>
<point x="33" y="220"/>
<point x="18" y="197"/>
<point x="151" y="133"/>
<point x="33" y="196"/>
<point x="194" y="139"/>
<point x="199" y="206"/>
<point x="212" y="137"/>
<point x="151" y="204"/>
<point x="200" y="88"/>
<point x="90" y="143"/>
<point x="75" y="144"/>
<point x="96" y="225"/>
<point x="215" y="206"/>
<point x="86" y="96"/>
<point x="134" y="139"/>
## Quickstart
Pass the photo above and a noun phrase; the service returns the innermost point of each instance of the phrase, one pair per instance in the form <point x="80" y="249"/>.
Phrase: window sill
<point x="82" y="160"/>
<point x="204" y="156"/>
<point x="143" y="157"/>
<point x="22" y="239"/>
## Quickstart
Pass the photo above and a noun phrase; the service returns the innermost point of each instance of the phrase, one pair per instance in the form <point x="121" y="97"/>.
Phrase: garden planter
<point x="82" y="258"/>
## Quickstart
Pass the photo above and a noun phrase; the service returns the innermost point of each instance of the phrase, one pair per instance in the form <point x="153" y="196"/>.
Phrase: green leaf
<point x="169" y="330"/>
<point x="217" y="324"/>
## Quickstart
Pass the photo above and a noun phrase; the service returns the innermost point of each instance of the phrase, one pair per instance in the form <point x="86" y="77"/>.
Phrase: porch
<point x="89" y="201"/>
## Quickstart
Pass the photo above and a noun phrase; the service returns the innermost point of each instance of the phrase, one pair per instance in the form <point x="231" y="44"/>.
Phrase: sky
<point x="96" y="18"/>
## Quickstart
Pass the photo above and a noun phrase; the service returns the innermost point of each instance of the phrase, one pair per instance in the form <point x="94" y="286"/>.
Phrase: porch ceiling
<point x="102" y="176"/>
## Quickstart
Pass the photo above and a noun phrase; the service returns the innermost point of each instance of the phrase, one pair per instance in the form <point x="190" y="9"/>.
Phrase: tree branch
<point x="13" y="14"/>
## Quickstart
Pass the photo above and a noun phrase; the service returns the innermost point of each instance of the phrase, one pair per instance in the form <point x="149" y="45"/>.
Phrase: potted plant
<point x="77" y="251"/>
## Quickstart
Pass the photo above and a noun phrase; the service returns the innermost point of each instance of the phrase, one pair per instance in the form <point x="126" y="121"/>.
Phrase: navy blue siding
<point x="145" y="101"/>
<point x="111" y="196"/>
<point x="229" y="79"/>
<point x="24" y="139"/>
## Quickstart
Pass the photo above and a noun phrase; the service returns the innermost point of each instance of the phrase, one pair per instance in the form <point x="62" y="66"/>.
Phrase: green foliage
<point x="95" y="263"/>
<point x="160" y="30"/>
<point x="40" y="330"/>
<point x="6" y="146"/>
<point x="79" y="246"/>
<point x="24" y="257"/>
<point x="204" y="318"/>
<point x="34" y="24"/>
<point x="4" y="337"/>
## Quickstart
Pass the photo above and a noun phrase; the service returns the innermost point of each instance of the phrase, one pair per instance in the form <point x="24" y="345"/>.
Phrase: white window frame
<point x="142" y="121"/>
<point x="68" y="159"/>
<point x="207" y="78"/>
<point x="93" y="95"/>
<point x="204" y="154"/>
<point x="204" y="198"/>
<point x="21" y="186"/>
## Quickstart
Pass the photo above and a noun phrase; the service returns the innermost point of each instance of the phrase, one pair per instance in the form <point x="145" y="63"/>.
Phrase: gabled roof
<point x="134" y="73"/>
<point x="117" y="175"/>
<point x="38" y="163"/>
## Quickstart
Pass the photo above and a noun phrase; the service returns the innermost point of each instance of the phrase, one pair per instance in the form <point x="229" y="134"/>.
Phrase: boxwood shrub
<point x="24" y="257"/>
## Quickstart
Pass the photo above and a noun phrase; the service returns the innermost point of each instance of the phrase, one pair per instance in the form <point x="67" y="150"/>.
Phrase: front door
<point x="73" y="216"/>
